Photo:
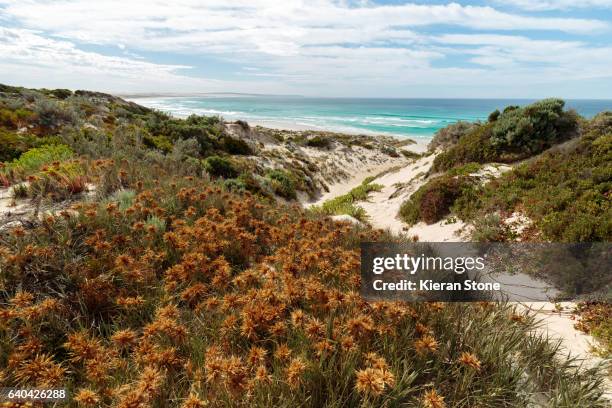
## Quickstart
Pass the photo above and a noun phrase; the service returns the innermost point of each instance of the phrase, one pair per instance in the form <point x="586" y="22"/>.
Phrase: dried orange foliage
<point x="191" y="295"/>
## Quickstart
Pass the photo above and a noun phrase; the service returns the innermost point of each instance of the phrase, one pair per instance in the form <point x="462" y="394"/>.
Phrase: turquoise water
<point x="415" y="118"/>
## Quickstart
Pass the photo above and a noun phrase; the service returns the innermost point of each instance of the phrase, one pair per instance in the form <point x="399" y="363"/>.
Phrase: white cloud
<point x="548" y="57"/>
<point x="540" y="5"/>
<point x="274" y="27"/>
<point x="293" y="46"/>
<point x="21" y="45"/>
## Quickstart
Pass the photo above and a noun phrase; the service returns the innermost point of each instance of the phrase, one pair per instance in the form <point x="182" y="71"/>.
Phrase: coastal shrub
<point x="493" y="116"/>
<point x="409" y="154"/>
<point x="234" y="184"/>
<point x="16" y="118"/>
<point x="491" y="228"/>
<point x="244" y="125"/>
<point x="320" y="142"/>
<point x="565" y="192"/>
<point x="218" y="166"/>
<point x="236" y="146"/>
<point x="253" y="183"/>
<point x="433" y="201"/>
<point x="57" y="93"/>
<point x="184" y="149"/>
<point x="161" y="143"/>
<point x="595" y="318"/>
<point x="475" y="146"/>
<point x="58" y="181"/>
<point x="11" y="146"/>
<point x="449" y="136"/>
<point x="51" y="114"/>
<point x="390" y="151"/>
<point x="283" y="183"/>
<point x="517" y="133"/>
<point x="184" y="294"/>
<point x="35" y="158"/>
<point x="533" y="128"/>
<point x="465" y="169"/>
<point x="601" y="123"/>
<point x="205" y="129"/>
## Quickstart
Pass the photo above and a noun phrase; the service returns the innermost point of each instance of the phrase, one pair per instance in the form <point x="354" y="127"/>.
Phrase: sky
<point x="327" y="48"/>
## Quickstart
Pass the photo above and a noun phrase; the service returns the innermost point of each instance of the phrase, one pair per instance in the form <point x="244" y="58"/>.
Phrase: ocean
<point x="411" y="118"/>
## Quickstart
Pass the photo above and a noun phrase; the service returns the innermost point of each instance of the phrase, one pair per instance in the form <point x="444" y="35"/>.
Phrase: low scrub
<point x="58" y="181"/>
<point x="168" y="290"/>
<point x="515" y="134"/>
<point x="433" y="201"/>
<point x="321" y="142"/>
<point x="161" y="143"/>
<point x="34" y="159"/>
<point x="533" y="128"/>
<point x="565" y="192"/>
<point x="236" y="146"/>
<point x="218" y="166"/>
<point x="595" y="318"/>
<point x="283" y="183"/>
<point x="192" y="296"/>
<point x="450" y="135"/>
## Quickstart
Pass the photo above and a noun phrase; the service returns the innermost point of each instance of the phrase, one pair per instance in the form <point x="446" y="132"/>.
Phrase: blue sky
<point x="494" y="49"/>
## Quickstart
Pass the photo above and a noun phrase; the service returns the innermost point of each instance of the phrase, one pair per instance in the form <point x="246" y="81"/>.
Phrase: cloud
<point x="541" y="5"/>
<point x="543" y="60"/>
<point x="272" y="27"/>
<point x="21" y="45"/>
<point x="294" y="46"/>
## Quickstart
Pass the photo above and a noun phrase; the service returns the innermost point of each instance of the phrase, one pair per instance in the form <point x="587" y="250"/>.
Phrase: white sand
<point x="559" y="325"/>
<point x="358" y="175"/>
<point x="382" y="208"/>
<point x="12" y="208"/>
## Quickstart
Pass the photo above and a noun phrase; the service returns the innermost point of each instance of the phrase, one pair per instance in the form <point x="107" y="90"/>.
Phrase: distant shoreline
<point x="419" y="146"/>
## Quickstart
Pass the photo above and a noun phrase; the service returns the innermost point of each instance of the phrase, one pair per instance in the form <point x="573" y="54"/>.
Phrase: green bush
<point x="35" y="158"/>
<point x="450" y="135"/>
<point x="158" y="142"/>
<point x="58" y="93"/>
<point x="51" y="114"/>
<point x="10" y="146"/>
<point x="433" y="201"/>
<point x="409" y="154"/>
<point x="205" y="129"/>
<point x="283" y="183"/>
<point x="475" y="146"/>
<point x="491" y="228"/>
<point x="218" y="166"/>
<point x="516" y="133"/>
<point x="232" y="145"/>
<point x="493" y="116"/>
<point x="320" y="142"/>
<point x="533" y="128"/>
<point x="234" y="185"/>
<point x="565" y="192"/>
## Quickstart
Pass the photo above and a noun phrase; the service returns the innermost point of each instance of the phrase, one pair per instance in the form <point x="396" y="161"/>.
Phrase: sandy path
<point x="382" y="208"/>
<point x="559" y="325"/>
<point x="338" y="189"/>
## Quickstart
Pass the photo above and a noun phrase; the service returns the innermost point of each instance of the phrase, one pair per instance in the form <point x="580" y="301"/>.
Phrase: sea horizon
<point x="415" y="118"/>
